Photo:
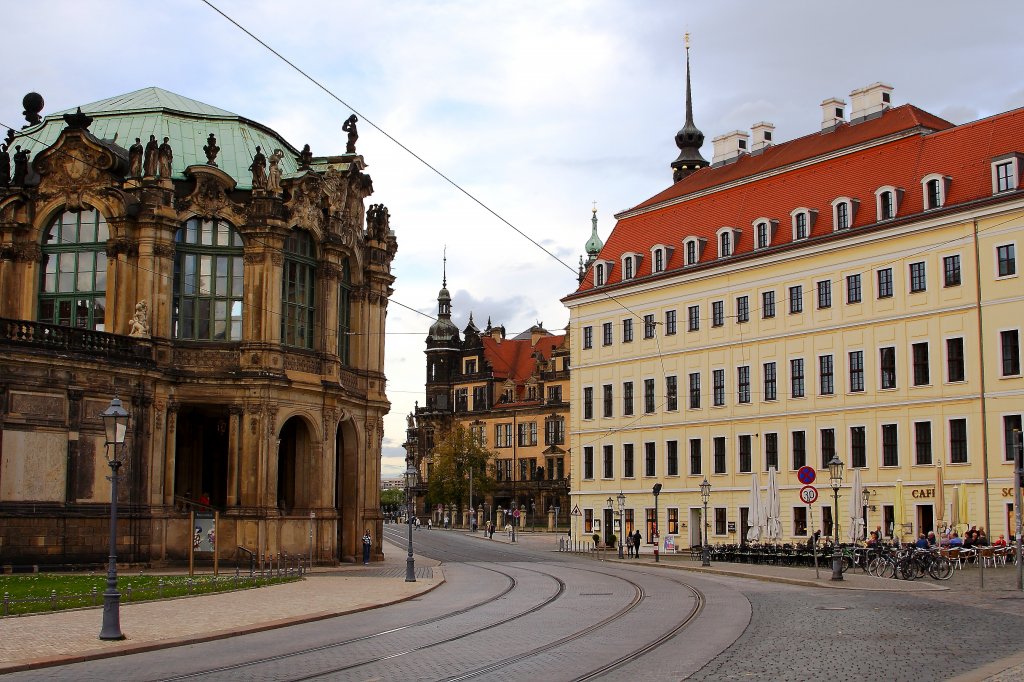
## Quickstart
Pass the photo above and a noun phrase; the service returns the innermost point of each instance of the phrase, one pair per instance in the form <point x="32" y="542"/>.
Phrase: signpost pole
<point x="814" y="543"/>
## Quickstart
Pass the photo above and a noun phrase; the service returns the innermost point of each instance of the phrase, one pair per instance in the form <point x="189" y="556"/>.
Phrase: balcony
<point x="55" y="338"/>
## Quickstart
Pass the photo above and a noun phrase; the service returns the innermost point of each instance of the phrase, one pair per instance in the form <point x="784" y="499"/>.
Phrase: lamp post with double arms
<point x="705" y="495"/>
<point x="865" y="495"/>
<point x="622" y="523"/>
<point x="835" y="470"/>
<point x="115" y="425"/>
<point x="411" y="478"/>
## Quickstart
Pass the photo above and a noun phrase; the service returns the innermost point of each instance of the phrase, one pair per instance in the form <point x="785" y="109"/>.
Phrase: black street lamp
<point x="115" y="424"/>
<point x="866" y="497"/>
<point x="657" y="491"/>
<point x="411" y="478"/>
<point x="705" y="494"/>
<point x="608" y="506"/>
<point x="835" y="470"/>
<point x="622" y="524"/>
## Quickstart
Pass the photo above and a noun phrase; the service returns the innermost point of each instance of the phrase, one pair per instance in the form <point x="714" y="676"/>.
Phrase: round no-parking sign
<point x="808" y="494"/>
<point x="806" y="475"/>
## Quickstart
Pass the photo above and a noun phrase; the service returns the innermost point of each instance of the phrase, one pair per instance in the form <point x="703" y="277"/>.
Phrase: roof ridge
<point x="148" y="99"/>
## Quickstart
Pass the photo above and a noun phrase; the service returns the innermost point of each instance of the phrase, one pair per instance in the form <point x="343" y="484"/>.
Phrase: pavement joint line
<point x="992" y="669"/>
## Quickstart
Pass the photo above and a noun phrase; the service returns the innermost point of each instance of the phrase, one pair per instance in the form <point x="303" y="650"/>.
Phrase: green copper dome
<point x="594" y="244"/>
<point x="186" y="122"/>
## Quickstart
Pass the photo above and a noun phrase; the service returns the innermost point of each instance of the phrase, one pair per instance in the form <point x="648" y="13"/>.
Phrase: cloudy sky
<point x="536" y="108"/>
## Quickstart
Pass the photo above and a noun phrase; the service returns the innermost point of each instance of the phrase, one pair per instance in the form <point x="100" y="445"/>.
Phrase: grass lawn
<point x="51" y="592"/>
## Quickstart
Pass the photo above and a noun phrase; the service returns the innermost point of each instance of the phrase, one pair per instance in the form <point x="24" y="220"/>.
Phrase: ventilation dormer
<point x="870" y="101"/>
<point x="763" y="133"/>
<point x="729" y="147"/>
<point x="833" y="113"/>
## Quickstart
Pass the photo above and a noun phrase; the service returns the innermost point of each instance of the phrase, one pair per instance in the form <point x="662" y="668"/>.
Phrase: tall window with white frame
<point x="649" y="396"/>
<point x="718" y="385"/>
<point x="856" y="371"/>
<point x="345" y="314"/>
<point x="606" y="405"/>
<point x="828" y="446"/>
<point x="886" y="205"/>
<point x="719" y="454"/>
<point x="659" y="260"/>
<point x="1005" y="176"/>
<point x="951" y="270"/>
<point x="771" y="451"/>
<point x="1006" y="260"/>
<point x="887" y="367"/>
<point x="608" y="458"/>
<point x="743" y="384"/>
<point x="770" y="382"/>
<point x="890" y="446"/>
<point x="933" y="193"/>
<point x="627" y="461"/>
<point x="650" y="459"/>
<point x="627" y="398"/>
<point x="958" y="441"/>
<point x="691" y="252"/>
<point x="693" y="313"/>
<point x="742" y="309"/>
<point x="853" y="292"/>
<point x="745" y="457"/>
<point x="588" y="462"/>
<point x="918" y="280"/>
<point x="922" y="443"/>
<point x="858" y="447"/>
<point x="627" y="330"/>
<point x="955" y="368"/>
<point x="796" y="378"/>
<point x="799" y="439"/>
<point x="767" y="304"/>
<point x="649" y="326"/>
<point x="801" y="226"/>
<point x="1011" y="423"/>
<point x="606" y="334"/>
<point x="796" y="299"/>
<point x="672" y="458"/>
<point x="670" y="322"/>
<point x="208" y="279"/>
<point x="695" y="457"/>
<point x="588" y="337"/>
<point x="725" y="244"/>
<point x="588" y="402"/>
<point x="762" y="235"/>
<point x="1009" y="343"/>
<point x="885" y="283"/>
<point x="717" y="313"/>
<point x="73" y="286"/>
<point x="825" y="294"/>
<point x="842" y="215"/>
<point x="826" y="375"/>
<point x="671" y="393"/>
<point x="695" y="391"/>
<point x="920" y="359"/>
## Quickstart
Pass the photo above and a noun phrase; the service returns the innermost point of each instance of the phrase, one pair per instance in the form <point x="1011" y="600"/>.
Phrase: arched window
<point x="842" y="215"/>
<point x="207" y="281"/>
<point x="298" y="287"/>
<point x="74" y="274"/>
<point x="344" y="311"/>
<point x="599" y="274"/>
<point x="691" y="252"/>
<point x="725" y="244"/>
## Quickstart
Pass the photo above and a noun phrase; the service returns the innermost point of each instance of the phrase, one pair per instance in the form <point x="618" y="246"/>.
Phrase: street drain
<point x="595" y="594"/>
<point x="833" y="608"/>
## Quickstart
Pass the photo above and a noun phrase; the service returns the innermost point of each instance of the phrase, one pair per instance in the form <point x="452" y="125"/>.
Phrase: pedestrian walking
<point x="636" y="544"/>
<point x="367" y="540"/>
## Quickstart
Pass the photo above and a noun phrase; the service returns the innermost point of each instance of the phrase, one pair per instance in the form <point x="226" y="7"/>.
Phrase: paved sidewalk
<point x="47" y="639"/>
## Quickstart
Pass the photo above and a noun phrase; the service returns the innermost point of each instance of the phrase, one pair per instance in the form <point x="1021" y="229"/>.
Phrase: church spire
<point x="594" y="244"/>
<point x="690" y="138"/>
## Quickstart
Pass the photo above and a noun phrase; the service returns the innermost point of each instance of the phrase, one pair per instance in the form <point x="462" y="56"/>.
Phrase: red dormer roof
<point x="811" y="172"/>
<point x="515" y="358"/>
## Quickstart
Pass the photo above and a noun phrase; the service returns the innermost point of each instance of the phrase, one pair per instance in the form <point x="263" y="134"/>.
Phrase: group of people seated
<point x="974" y="537"/>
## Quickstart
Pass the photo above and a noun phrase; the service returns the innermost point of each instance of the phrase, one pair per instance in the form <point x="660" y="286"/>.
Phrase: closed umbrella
<point x="963" y="525"/>
<point x="899" y="511"/>
<point x="940" y="502"/>
<point x="774" y="523"/>
<point x="954" y="506"/>
<point x="755" y="519"/>
<point x="856" y="525"/>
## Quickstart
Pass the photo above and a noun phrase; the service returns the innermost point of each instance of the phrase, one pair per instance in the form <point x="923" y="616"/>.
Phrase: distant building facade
<point x="854" y="292"/>
<point x="512" y="395"/>
<point x="232" y="290"/>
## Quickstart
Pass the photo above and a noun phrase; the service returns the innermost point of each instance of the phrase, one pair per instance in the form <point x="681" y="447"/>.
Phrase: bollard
<point x="656" y="559"/>
<point x="159" y="587"/>
<point x="190" y="585"/>
<point x="95" y="593"/>
<point x="53" y="600"/>
<point x="128" y="592"/>
<point x="7" y="600"/>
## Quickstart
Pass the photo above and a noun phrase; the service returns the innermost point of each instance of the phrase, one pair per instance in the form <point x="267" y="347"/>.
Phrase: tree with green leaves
<point x="457" y="453"/>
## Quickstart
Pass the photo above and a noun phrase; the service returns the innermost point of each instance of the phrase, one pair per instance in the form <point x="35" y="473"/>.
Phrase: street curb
<point x="127" y="649"/>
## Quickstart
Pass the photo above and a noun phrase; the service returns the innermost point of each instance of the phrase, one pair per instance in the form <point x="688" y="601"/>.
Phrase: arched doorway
<point x="201" y="459"/>
<point x="346" y="490"/>
<point x="294" y="466"/>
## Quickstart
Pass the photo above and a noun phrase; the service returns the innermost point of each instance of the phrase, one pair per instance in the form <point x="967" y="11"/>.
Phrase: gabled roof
<point x="736" y="194"/>
<point x="514" y="358"/>
<point x="187" y="122"/>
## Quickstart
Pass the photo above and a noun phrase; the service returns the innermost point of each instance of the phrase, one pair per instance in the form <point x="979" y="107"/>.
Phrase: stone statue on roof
<point x="20" y="165"/>
<point x="5" y="166"/>
<point x="259" y="170"/>
<point x="349" y="126"/>
<point x="305" y="158"/>
<point x="274" y="174"/>
<point x="211" y="150"/>
<point x="166" y="156"/>
<point x="135" y="153"/>
<point x="150" y="163"/>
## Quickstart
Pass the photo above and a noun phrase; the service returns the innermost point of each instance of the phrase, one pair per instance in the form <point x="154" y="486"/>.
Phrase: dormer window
<point x="694" y="247"/>
<point x="602" y="272"/>
<point x="887" y="202"/>
<point x="935" y="187"/>
<point x="803" y="222"/>
<point x="1006" y="173"/>
<point x="630" y="265"/>
<point x="844" y="210"/>
<point x="764" y="232"/>
<point x="659" y="257"/>
<point x="728" y="238"/>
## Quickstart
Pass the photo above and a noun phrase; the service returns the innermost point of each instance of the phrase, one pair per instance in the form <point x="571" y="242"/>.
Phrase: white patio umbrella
<point x="855" y="527"/>
<point x="755" y="519"/>
<point x="774" y="523"/>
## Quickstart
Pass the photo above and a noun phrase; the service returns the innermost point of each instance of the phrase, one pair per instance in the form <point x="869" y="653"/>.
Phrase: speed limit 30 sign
<point x="808" y="494"/>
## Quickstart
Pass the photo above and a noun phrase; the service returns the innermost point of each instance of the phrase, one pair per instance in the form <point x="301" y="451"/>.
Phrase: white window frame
<point x="699" y="244"/>
<point x="947" y="450"/>
<point x="734" y="240"/>
<point x="851" y="212"/>
<point x="1014" y="159"/>
<point x="635" y="259"/>
<point x="772" y="227"/>
<point x="999" y="351"/>
<point x="897" y="200"/>
<point x="995" y="260"/>
<point x="944" y="182"/>
<point x="811" y="216"/>
<point x="666" y="253"/>
<point x="945" y="357"/>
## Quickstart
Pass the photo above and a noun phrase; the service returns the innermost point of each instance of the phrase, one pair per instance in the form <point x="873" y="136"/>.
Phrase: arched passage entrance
<point x="201" y="460"/>
<point x="295" y="466"/>
<point x="346" y="490"/>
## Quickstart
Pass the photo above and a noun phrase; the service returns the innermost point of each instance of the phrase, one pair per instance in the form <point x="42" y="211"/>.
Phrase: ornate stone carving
<point x="37" y="405"/>
<point x="274" y="173"/>
<point x="377" y="222"/>
<point x="277" y="258"/>
<point x="209" y="196"/>
<point x="211" y="150"/>
<point x="307" y="203"/>
<point x="329" y="271"/>
<point x="301" y="363"/>
<point x="257" y="257"/>
<point x="258" y="167"/>
<point x="139" y="324"/>
<point x="159" y="406"/>
<point x="205" y="359"/>
<point x="162" y="250"/>
<point x="151" y="163"/>
<point x="305" y="158"/>
<point x="165" y="158"/>
<point x="135" y="153"/>
<point x="28" y="252"/>
<point x="349" y="126"/>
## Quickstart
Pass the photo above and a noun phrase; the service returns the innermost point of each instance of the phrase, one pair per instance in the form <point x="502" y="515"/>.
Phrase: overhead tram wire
<point x="406" y="149"/>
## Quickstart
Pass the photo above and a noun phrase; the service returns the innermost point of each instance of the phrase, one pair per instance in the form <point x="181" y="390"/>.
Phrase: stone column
<point x="170" y="449"/>
<point x="234" y="438"/>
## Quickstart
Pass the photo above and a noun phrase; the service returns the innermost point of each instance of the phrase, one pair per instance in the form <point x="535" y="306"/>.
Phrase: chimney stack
<point x="869" y="101"/>
<point x="833" y="113"/>
<point x="762" y="133"/>
<point x="729" y="147"/>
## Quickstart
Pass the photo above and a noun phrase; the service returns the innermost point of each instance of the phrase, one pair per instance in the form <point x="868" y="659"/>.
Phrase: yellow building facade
<point x="851" y="293"/>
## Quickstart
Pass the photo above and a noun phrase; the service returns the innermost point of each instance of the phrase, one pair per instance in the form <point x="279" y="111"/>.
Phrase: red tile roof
<point x="962" y="152"/>
<point x="515" y="357"/>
